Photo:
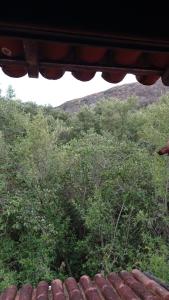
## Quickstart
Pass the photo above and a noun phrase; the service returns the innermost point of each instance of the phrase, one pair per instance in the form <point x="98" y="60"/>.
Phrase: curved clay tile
<point x="51" y="73"/>
<point x="26" y="292"/>
<point x="113" y="76"/>
<point x="9" y="293"/>
<point x="106" y="289"/>
<point x="10" y="47"/>
<point x="133" y="285"/>
<point x="15" y="70"/>
<point x="159" y="60"/>
<point x="91" y="54"/>
<point x="137" y="286"/>
<point x="123" y="290"/>
<point x="164" y="150"/>
<point x="72" y="288"/>
<point x="151" y="284"/>
<point x="85" y="282"/>
<point x="147" y="79"/>
<point x="53" y="51"/>
<point x="126" y="57"/>
<point x="84" y="75"/>
<point x="42" y="291"/>
<point x="57" y="290"/>
<point x="89" y="290"/>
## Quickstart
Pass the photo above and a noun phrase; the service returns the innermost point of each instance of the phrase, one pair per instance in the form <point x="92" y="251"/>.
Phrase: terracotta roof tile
<point x="57" y="290"/>
<point x="138" y="287"/>
<point x="124" y="285"/>
<point x="123" y="290"/>
<point x="151" y="284"/>
<point x="20" y="56"/>
<point x="89" y="288"/>
<point x="9" y="294"/>
<point x="42" y="291"/>
<point x="25" y="292"/>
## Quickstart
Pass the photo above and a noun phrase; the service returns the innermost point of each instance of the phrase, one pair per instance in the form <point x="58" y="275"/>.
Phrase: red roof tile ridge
<point x="124" y="290"/>
<point x="57" y="289"/>
<point x="105" y="287"/>
<point x="134" y="285"/>
<point x="138" y="287"/>
<point x="9" y="293"/>
<point x="72" y="288"/>
<point x="42" y="291"/>
<point x="26" y="292"/>
<point x="52" y="59"/>
<point x="149" y="283"/>
<point x="89" y="288"/>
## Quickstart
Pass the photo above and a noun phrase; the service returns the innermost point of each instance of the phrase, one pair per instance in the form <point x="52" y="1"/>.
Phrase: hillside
<point x="145" y="95"/>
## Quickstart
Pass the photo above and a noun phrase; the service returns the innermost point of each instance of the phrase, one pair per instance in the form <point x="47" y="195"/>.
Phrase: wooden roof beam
<point x="31" y="57"/>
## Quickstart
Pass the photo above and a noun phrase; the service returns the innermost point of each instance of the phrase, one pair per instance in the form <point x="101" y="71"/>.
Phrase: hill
<point x="145" y="95"/>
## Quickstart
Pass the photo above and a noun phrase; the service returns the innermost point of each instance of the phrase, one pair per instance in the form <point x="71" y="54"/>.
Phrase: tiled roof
<point x="114" y="57"/>
<point x="124" y="285"/>
<point x="73" y="38"/>
<point x="115" y="41"/>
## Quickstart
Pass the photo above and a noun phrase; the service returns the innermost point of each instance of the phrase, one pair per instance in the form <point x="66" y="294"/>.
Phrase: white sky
<point x="55" y="92"/>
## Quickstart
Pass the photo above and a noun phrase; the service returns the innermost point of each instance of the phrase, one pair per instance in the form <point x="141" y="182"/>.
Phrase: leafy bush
<point x="84" y="193"/>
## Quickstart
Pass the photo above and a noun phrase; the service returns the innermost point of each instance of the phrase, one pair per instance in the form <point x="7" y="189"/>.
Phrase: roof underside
<point x="52" y="42"/>
<point x="116" y="286"/>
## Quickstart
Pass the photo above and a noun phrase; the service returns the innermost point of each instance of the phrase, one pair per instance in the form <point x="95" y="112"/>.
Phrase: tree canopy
<point x="82" y="193"/>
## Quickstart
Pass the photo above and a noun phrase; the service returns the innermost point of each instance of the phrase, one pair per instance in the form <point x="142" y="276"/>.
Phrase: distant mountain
<point x="145" y="95"/>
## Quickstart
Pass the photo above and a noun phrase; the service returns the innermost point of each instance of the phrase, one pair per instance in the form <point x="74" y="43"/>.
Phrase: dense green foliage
<point x="82" y="193"/>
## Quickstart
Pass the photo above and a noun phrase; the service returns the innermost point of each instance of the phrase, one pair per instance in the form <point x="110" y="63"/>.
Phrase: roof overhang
<point x="50" y="43"/>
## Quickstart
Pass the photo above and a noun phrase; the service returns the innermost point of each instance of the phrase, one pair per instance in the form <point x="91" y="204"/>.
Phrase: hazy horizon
<point x="55" y="92"/>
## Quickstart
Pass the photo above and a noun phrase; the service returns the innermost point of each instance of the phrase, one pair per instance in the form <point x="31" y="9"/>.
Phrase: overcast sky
<point x="55" y="92"/>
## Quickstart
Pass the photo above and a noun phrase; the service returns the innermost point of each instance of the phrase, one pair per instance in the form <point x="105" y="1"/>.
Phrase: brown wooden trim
<point x="81" y="66"/>
<point x="77" y="37"/>
<point x="31" y="56"/>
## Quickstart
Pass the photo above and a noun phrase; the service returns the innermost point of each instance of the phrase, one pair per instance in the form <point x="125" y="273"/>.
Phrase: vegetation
<point x="82" y="193"/>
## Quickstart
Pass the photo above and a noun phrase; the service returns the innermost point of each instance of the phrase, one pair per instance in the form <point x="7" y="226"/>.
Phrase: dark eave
<point x="50" y="42"/>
